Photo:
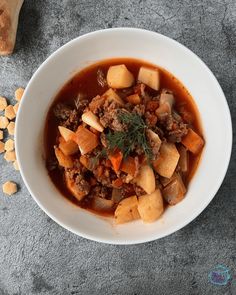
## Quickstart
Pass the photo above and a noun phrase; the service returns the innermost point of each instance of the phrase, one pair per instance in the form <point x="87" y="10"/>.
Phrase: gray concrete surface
<point x="37" y="256"/>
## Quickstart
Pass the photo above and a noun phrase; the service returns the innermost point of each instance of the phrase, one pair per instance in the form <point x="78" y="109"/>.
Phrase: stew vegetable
<point x="123" y="138"/>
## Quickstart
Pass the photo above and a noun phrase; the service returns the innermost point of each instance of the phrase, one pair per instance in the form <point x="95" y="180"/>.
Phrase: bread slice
<point x="9" y="14"/>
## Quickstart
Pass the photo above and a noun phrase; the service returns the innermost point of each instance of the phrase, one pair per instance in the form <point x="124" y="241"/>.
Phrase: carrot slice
<point x="193" y="142"/>
<point x="116" y="159"/>
<point x="128" y="166"/>
<point x="117" y="182"/>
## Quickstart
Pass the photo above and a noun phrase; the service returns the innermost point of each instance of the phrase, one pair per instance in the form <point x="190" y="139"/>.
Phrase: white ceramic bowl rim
<point x="224" y="165"/>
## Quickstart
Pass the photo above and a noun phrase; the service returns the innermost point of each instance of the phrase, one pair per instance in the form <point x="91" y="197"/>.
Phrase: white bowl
<point x="156" y="49"/>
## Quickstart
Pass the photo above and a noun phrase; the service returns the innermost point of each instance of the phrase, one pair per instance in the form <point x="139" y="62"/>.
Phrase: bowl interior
<point x="154" y="48"/>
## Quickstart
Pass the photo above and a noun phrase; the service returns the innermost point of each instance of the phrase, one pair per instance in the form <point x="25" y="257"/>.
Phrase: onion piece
<point x="66" y="133"/>
<point x="102" y="204"/>
<point x="92" y="120"/>
<point x="68" y="147"/>
<point x="116" y="195"/>
<point x="86" y="140"/>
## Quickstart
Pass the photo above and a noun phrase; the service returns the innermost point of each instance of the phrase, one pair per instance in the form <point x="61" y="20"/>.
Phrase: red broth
<point x="86" y="82"/>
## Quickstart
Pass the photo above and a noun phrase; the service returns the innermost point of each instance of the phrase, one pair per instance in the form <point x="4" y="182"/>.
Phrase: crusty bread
<point x="9" y="13"/>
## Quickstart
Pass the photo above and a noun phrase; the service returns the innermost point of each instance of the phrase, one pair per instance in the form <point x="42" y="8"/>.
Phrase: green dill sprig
<point x="134" y="135"/>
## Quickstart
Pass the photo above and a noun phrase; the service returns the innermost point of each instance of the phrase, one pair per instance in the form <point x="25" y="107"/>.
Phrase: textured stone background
<point x="39" y="257"/>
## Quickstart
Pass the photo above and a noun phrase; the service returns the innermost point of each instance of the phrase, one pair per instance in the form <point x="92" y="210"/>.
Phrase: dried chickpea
<point x="11" y="128"/>
<point x="1" y="134"/>
<point x="3" y="122"/>
<point x="9" y="188"/>
<point x="16" y="166"/>
<point x="3" y="103"/>
<point x="16" y="107"/>
<point x="9" y="112"/>
<point x="19" y="93"/>
<point x="2" y="149"/>
<point x="10" y="156"/>
<point x="9" y="145"/>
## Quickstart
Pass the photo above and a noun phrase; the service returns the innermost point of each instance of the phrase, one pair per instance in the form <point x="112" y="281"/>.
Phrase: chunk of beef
<point x="178" y="133"/>
<point x="73" y="121"/>
<point x="110" y="116"/>
<point x="96" y="105"/>
<point x="62" y="111"/>
<point x="139" y="109"/>
<point x="78" y="176"/>
<point x="127" y="190"/>
<point x="139" y="191"/>
<point x="155" y="146"/>
<point x="67" y="116"/>
<point x="152" y="105"/>
<point x="123" y="93"/>
<point x="174" y="129"/>
<point x="150" y="119"/>
<point x="158" y="131"/>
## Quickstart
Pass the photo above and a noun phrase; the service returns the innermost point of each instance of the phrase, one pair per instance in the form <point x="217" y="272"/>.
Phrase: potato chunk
<point x="127" y="210"/>
<point x="184" y="159"/>
<point x="154" y="138"/>
<point x="78" y="194"/>
<point x="110" y="94"/>
<point x="150" y="77"/>
<point x="150" y="207"/>
<point x="175" y="191"/>
<point x="66" y="133"/>
<point x="167" y="98"/>
<point x="63" y="160"/>
<point x="134" y="99"/>
<point x="146" y="179"/>
<point x="193" y="142"/>
<point x="167" y="161"/>
<point x="92" y="120"/>
<point x="119" y="77"/>
<point x="69" y="147"/>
